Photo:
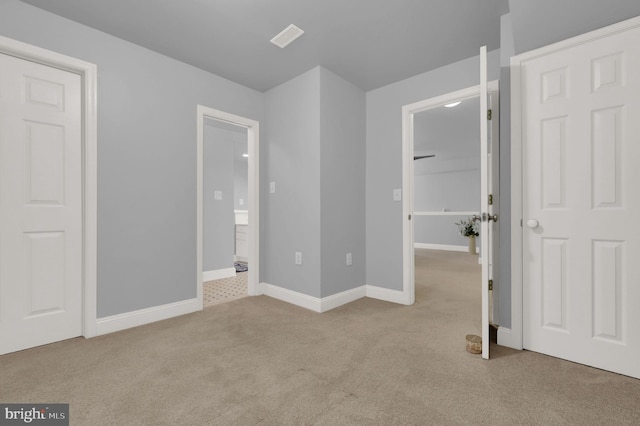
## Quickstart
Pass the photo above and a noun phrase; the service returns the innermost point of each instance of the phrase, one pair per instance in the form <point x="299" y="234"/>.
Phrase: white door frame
<point x="408" y="111"/>
<point x="88" y="74"/>
<point x="253" y="132"/>
<point x="514" y="337"/>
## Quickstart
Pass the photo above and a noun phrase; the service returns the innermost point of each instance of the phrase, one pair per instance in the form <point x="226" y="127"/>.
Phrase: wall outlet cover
<point x="217" y="195"/>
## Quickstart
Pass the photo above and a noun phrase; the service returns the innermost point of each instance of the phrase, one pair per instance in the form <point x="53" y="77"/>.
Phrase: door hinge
<point x="490" y="199"/>
<point x="488" y="114"/>
<point x="490" y="285"/>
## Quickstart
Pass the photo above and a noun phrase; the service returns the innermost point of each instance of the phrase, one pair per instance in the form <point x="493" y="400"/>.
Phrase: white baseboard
<point x="504" y="338"/>
<point x="240" y="259"/>
<point x="446" y="247"/>
<point x="290" y="296"/>
<point x="218" y="274"/>
<point x="388" y="295"/>
<point x="315" y="304"/>
<point x="342" y="298"/>
<point x="158" y="313"/>
<point x="145" y="316"/>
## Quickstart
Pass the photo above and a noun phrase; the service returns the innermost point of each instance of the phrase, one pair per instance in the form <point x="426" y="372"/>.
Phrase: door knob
<point x="532" y="223"/>
<point x="484" y="218"/>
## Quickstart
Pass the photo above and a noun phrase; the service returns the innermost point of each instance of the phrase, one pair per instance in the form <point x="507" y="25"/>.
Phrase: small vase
<point x="472" y="244"/>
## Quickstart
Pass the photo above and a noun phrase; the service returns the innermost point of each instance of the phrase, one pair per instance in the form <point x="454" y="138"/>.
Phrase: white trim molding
<point x="88" y="73"/>
<point x="315" y="304"/>
<point x="290" y="296"/>
<point x="387" y="295"/>
<point x="505" y="338"/>
<point x="335" y="300"/>
<point x="218" y="274"/>
<point x="146" y="316"/>
<point x="445" y="247"/>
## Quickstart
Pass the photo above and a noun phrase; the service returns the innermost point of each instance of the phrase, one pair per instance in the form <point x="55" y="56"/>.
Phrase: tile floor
<point x="225" y="290"/>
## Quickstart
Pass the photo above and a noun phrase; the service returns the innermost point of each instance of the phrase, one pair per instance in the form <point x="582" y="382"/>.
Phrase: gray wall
<point x="219" y="175"/>
<point x="315" y="155"/>
<point x="342" y="167"/>
<point x="455" y="190"/>
<point x="502" y="292"/>
<point x="542" y="22"/>
<point x="290" y="217"/>
<point x="241" y="176"/>
<point x="384" y="159"/>
<point x="146" y="156"/>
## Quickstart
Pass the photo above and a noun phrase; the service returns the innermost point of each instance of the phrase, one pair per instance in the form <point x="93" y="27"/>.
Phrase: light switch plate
<point x="298" y="258"/>
<point x="272" y="187"/>
<point x="397" y="194"/>
<point x="349" y="259"/>
<point x="217" y="195"/>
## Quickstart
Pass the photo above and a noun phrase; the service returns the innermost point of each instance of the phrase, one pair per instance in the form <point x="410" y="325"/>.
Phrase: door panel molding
<point x="88" y="74"/>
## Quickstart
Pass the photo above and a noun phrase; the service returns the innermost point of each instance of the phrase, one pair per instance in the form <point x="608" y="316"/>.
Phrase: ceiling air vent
<point x="287" y="35"/>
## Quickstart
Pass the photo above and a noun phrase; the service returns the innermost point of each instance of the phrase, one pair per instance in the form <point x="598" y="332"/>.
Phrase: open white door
<point x="488" y="178"/>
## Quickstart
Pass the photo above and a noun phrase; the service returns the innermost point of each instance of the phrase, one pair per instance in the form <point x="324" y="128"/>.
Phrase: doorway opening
<point x="227" y="207"/>
<point x="446" y="196"/>
<point x="446" y="165"/>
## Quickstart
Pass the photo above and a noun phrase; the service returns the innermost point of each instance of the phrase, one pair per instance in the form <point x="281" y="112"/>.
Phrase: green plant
<point x="468" y="228"/>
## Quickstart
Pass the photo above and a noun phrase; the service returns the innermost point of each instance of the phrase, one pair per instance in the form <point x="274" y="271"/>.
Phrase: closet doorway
<point x="227" y="206"/>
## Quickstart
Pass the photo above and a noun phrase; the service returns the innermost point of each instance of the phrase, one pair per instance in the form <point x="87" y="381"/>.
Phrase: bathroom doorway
<point x="227" y="206"/>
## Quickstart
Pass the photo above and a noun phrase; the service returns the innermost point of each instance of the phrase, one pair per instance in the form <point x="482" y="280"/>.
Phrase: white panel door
<point x="40" y="204"/>
<point x="581" y="203"/>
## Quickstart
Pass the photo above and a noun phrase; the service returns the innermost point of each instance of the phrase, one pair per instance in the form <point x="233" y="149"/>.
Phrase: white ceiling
<point x="371" y="43"/>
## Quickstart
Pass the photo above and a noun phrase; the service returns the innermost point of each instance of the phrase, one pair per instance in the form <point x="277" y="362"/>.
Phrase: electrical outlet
<point x="349" y="259"/>
<point x="298" y="258"/>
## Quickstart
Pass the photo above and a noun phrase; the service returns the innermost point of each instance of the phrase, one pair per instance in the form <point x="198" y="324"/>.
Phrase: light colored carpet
<point x="259" y="361"/>
<point x="224" y="290"/>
